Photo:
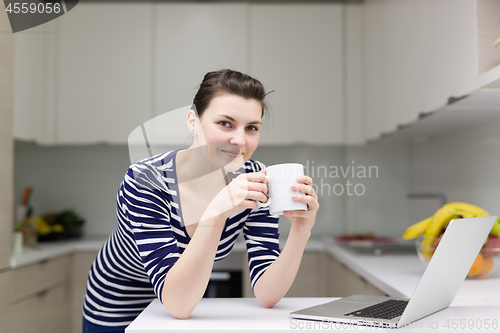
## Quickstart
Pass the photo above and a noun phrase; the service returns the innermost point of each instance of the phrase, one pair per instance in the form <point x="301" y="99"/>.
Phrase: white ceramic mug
<point x="280" y="178"/>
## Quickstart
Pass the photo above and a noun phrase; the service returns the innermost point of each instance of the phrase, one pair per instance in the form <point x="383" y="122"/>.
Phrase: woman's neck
<point x="193" y="163"/>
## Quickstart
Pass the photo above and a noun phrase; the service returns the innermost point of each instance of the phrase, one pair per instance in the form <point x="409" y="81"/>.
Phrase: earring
<point x="192" y="132"/>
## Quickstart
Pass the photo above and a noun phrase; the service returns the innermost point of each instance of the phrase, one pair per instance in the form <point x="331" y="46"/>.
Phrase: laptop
<point x="435" y="291"/>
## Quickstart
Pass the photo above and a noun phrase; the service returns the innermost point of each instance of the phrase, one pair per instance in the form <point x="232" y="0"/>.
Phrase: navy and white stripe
<point x="149" y="237"/>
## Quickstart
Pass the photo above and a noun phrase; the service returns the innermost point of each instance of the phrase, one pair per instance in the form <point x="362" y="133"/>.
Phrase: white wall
<point x="84" y="178"/>
<point x="383" y="208"/>
<point x="465" y="165"/>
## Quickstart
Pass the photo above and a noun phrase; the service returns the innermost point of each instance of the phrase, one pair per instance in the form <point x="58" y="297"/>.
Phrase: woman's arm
<point x="277" y="279"/>
<point x="187" y="279"/>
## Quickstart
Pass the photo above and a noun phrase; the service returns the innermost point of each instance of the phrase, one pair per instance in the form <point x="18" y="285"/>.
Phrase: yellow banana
<point x="467" y="210"/>
<point x="433" y="226"/>
<point x="441" y="219"/>
<point x="417" y="229"/>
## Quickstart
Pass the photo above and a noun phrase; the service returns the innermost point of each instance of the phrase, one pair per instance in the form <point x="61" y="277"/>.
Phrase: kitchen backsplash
<point x="362" y="189"/>
<point x="462" y="164"/>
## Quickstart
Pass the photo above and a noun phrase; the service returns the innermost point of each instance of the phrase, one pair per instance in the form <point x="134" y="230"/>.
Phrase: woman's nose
<point x="238" y="139"/>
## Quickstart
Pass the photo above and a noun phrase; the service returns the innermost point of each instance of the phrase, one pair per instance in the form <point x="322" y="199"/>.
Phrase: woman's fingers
<point x="258" y="187"/>
<point x="306" y="189"/>
<point x="251" y="186"/>
<point x="257" y="196"/>
<point x="257" y="177"/>
<point x="305" y="180"/>
<point x="310" y="201"/>
<point x="296" y="213"/>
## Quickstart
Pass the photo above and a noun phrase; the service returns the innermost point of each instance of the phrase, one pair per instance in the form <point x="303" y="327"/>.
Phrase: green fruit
<point x="496" y="228"/>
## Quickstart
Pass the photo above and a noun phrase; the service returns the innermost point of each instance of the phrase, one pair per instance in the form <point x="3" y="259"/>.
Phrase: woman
<point x="176" y="214"/>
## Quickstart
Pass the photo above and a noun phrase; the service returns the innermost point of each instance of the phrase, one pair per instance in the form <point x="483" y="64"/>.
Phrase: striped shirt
<point x="149" y="237"/>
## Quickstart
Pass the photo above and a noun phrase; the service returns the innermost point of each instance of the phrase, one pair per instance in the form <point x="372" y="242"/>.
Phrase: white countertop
<point x="477" y="302"/>
<point x="49" y="250"/>
<point x="395" y="275"/>
<point x="246" y="314"/>
<point x="398" y="275"/>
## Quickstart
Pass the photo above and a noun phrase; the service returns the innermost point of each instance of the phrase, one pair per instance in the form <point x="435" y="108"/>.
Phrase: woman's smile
<point x="232" y="153"/>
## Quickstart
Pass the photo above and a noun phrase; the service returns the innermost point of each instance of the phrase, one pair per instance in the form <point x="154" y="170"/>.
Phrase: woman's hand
<point x="303" y="221"/>
<point x="242" y="193"/>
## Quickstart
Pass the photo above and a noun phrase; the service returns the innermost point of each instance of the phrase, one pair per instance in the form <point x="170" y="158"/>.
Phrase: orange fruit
<point x="486" y="268"/>
<point x="477" y="265"/>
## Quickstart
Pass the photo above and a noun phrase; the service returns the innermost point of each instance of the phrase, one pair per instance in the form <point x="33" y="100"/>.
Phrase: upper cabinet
<point x="84" y="78"/>
<point x="421" y="55"/>
<point x="296" y="50"/>
<point x="104" y="82"/>
<point x="190" y="40"/>
<point x="106" y="68"/>
<point x="487" y="32"/>
<point x="6" y="153"/>
<point x="34" y="83"/>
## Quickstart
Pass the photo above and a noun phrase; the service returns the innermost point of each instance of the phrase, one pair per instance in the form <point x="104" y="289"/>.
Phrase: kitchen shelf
<point x="488" y="31"/>
<point x="490" y="79"/>
<point x="478" y="108"/>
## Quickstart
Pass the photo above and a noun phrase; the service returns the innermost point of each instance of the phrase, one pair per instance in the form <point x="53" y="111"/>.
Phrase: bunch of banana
<point x="42" y="227"/>
<point x="433" y="226"/>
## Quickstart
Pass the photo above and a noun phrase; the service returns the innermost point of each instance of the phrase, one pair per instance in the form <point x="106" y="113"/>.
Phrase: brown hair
<point x="228" y="81"/>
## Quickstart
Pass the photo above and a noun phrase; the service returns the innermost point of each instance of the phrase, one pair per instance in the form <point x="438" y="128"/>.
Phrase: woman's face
<point x="230" y="127"/>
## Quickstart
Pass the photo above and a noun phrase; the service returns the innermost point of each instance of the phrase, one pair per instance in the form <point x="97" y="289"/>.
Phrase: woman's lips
<point x="232" y="153"/>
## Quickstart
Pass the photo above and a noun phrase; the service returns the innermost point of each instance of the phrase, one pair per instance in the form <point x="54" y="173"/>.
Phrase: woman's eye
<point x="253" y="128"/>
<point x="224" y="123"/>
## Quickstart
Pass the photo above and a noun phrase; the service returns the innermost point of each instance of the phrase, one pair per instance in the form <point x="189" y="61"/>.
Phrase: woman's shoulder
<point x="158" y="160"/>
<point x="156" y="169"/>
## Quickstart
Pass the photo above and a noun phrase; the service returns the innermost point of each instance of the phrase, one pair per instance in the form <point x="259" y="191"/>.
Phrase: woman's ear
<point x="191" y="122"/>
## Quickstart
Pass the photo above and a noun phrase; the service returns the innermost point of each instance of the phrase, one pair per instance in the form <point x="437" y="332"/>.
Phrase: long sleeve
<point x="148" y="205"/>
<point x="261" y="236"/>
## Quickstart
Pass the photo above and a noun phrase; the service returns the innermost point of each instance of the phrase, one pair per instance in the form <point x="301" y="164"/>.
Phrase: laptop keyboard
<point x="386" y="310"/>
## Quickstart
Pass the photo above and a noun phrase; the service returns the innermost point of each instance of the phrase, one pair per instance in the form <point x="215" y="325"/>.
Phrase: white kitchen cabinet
<point x="6" y="142"/>
<point x="108" y="68"/>
<point x="45" y="312"/>
<point x="342" y="282"/>
<point x="39" y="297"/>
<point x="309" y="281"/>
<point x="420" y="54"/>
<point x="296" y="50"/>
<point x="190" y="40"/>
<point x="35" y="278"/>
<point x="4" y="302"/>
<point x="6" y="162"/>
<point x="487" y="32"/>
<point x="103" y="72"/>
<point x="80" y="267"/>
<point x="34" y="84"/>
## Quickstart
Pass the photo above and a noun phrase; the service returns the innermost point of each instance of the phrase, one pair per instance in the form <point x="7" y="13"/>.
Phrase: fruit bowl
<point x="482" y="267"/>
